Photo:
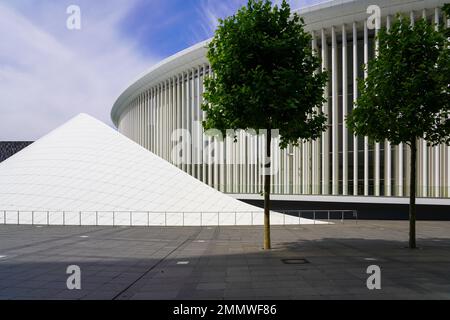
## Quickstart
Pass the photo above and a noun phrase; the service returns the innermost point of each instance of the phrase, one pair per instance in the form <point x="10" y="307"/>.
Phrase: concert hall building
<point x="169" y="95"/>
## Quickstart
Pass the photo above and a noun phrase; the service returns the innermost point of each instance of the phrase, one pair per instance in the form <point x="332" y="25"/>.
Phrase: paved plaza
<point x="225" y="262"/>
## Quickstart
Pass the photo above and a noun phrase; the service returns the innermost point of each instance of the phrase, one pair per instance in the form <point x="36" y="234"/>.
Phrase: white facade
<point x="86" y="173"/>
<point x="168" y="97"/>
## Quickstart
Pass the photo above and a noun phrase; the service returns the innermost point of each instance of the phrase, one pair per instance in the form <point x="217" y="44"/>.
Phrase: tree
<point x="265" y="77"/>
<point x="406" y="94"/>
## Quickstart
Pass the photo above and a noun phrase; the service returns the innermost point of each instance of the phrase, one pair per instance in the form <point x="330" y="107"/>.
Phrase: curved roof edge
<point x="192" y="56"/>
<point x="317" y="16"/>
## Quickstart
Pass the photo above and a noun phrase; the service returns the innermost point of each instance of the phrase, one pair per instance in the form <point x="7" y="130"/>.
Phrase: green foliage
<point x="407" y="93"/>
<point x="446" y="9"/>
<point x="265" y="75"/>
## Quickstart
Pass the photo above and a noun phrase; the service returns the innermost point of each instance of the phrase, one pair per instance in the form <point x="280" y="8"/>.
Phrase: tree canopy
<point x="406" y="94"/>
<point x="265" y="74"/>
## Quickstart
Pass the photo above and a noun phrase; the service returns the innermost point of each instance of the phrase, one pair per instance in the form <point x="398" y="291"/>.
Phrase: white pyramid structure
<point x="86" y="173"/>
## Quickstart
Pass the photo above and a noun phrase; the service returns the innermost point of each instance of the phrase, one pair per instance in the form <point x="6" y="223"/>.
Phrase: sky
<point x="49" y="73"/>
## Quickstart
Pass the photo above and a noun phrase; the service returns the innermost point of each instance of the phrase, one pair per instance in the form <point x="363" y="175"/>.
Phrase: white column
<point x="344" y="113"/>
<point x="163" y="118"/>
<point x="304" y="167"/>
<point x="229" y="161"/>
<point x="184" y="112"/>
<point x="437" y="171"/>
<point x="175" y="104"/>
<point x="448" y="171"/>
<point x="295" y="170"/>
<point x="325" y="139"/>
<point x="151" y="118"/>
<point x="189" y="117"/>
<point x="157" y="115"/>
<point x="154" y="107"/>
<point x="136" y="119"/>
<point x="140" y="119"/>
<point x="424" y="168"/>
<point x="210" y="144"/>
<point x="400" y="170"/>
<point x="144" y="118"/>
<point x="309" y="150"/>
<point x="366" y="139"/>
<point x="200" y="128"/>
<point x="178" y="104"/>
<point x="157" y="131"/>
<point x="335" y="116"/>
<point x="250" y="153"/>
<point x="132" y="120"/>
<point x="168" y="118"/>
<point x="191" y="112"/>
<point x="355" y="97"/>
<point x="203" y="115"/>
<point x="315" y="146"/>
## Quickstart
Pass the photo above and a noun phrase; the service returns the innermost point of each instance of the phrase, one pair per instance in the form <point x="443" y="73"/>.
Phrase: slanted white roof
<point x="84" y="165"/>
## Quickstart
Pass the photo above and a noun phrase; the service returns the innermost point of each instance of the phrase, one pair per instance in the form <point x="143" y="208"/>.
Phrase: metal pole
<point x="299" y="218"/>
<point x="342" y="216"/>
<point x="18" y="217"/>
<point x="48" y="218"/>
<point x="114" y="218"/>
<point x="64" y="218"/>
<point x="218" y="219"/>
<point x="131" y="219"/>
<point x="235" y="218"/>
<point x="328" y="216"/>
<point x="4" y="216"/>
<point x="183" y="219"/>
<point x="148" y="218"/>
<point x="165" y="219"/>
<point x="314" y="217"/>
<point x="252" y="218"/>
<point x="96" y="218"/>
<point x="201" y="219"/>
<point x="284" y="218"/>
<point x="32" y="218"/>
<point x="80" y="217"/>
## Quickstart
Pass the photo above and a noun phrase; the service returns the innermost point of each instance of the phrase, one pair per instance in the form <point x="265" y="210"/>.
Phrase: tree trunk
<point x="267" y="165"/>
<point x="412" y="196"/>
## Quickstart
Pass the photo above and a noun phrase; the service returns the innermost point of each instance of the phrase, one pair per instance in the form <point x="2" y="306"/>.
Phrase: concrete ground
<point x="225" y="262"/>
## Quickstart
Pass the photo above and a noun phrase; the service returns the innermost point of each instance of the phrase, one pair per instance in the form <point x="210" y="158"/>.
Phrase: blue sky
<point x="49" y="74"/>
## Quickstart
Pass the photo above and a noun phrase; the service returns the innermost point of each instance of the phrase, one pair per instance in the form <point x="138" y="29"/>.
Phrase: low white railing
<point x="168" y="218"/>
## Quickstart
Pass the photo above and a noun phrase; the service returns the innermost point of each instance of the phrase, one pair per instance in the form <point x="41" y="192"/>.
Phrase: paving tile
<point x="228" y="265"/>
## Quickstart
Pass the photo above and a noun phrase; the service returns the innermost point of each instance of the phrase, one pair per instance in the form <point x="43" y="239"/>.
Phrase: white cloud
<point x="49" y="74"/>
<point x="212" y="10"/>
